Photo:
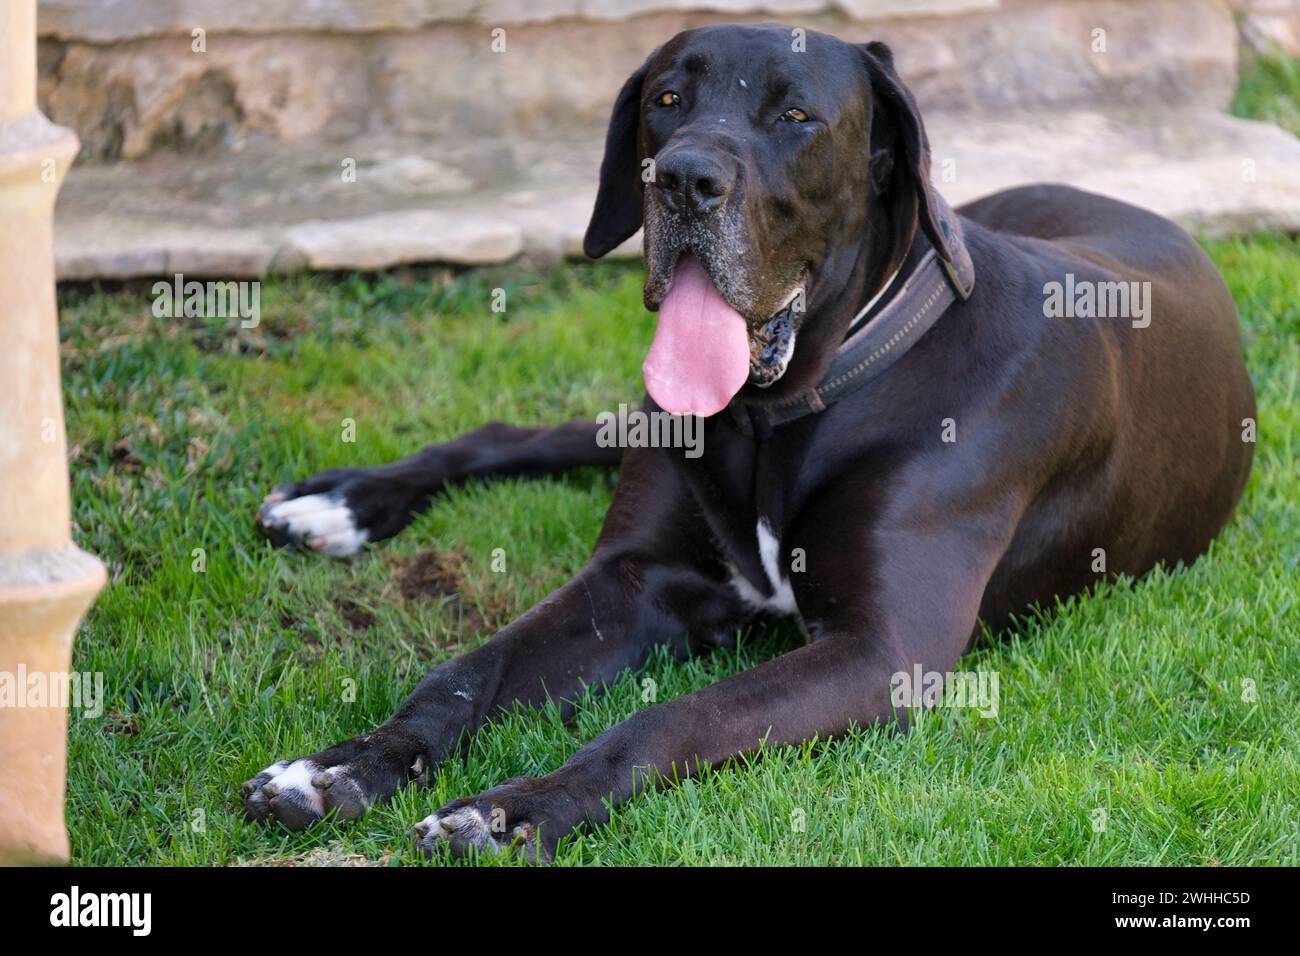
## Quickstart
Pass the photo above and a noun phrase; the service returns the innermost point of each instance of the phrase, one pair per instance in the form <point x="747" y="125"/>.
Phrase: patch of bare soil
<point x="436" y="574"/>
<point x="357" y="617"/>
<point x="440" y="575"/>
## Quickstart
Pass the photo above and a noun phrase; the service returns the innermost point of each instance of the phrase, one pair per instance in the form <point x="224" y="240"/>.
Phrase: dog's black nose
<point x="691" y="181"/>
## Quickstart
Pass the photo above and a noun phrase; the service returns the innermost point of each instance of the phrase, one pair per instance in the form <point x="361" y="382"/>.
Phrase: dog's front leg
<point x="584" y="634"/>
<point x="816" y="691"/>
<point x="926" y="601"/>
<point x="339" y="511"/>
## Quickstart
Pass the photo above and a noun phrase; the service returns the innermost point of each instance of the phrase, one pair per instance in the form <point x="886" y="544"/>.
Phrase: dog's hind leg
<point x="339" y="511"/>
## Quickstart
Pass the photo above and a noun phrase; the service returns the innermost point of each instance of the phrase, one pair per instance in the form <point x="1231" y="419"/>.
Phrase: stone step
<point x="252" y="214"/>
<point x="130" y="79"/>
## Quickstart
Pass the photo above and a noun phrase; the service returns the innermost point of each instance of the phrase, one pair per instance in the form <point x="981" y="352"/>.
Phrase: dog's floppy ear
<point x="900" y="152"/>
<point x="618" y="201"/>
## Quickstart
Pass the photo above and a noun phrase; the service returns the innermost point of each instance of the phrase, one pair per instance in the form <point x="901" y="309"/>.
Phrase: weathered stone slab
<point x="156" y="94"/>
<point x="1213" y="173"/>
<point x="1270" y="26"/>
<point x="106" y="246"/>
<point x="553" y="222"/>
<point x="388" y="239"/>
<point x="103" y="21"/>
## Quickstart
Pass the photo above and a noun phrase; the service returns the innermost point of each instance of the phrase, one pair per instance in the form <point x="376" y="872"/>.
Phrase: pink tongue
<point x="700" y="356"/>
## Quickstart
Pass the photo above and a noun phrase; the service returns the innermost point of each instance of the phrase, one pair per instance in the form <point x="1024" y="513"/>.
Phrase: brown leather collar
<point x="895" y="324"/>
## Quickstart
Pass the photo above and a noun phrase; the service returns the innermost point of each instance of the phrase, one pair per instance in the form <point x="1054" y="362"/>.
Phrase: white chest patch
<point x="769" y="551"/>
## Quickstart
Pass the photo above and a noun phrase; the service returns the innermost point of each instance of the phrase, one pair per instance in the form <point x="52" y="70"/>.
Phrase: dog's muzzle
<point x="772" y="346"/>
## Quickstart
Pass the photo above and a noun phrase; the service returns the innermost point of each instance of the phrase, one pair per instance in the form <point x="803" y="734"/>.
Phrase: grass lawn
<point x="1171" y="705"/>
<point x="1129" y="701"/>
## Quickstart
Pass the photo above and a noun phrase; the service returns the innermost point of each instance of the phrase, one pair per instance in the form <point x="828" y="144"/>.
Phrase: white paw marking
<point x="296" y="776"/>
<point x="323" y="523"/>
<point x="769" y="550"/>
<point x="468" y="823"/>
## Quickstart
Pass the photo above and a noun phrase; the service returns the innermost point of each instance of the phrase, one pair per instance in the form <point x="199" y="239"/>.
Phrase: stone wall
<point x="367" y="134"/>
<point x="126" y="74"/>
<point x="1270" y="26"/>
<point x="102" y="21"/>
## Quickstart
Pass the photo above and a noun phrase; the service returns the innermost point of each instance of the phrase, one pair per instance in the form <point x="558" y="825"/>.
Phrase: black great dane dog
<point x="885" y="388"/>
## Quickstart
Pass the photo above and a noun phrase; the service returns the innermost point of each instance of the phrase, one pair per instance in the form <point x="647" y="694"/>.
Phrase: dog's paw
<point x="300" y="792"/>
<point x="321" y="522"/>
<point x="344" y="781"/>
<point x="339" y="512"/>
<point x="525" y="815"/>
<point x="462" y="829"/>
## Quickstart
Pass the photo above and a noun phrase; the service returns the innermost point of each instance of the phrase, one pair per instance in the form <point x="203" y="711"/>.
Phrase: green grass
<point x="1268" y="88"/>
<point x="1129" y="700"/>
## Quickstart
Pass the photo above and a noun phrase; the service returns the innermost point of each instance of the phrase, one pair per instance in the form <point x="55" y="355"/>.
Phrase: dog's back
<point x="1170" y="424"/>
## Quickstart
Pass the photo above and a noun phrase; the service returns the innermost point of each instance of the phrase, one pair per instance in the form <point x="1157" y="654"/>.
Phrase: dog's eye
<point x="669" y="98"/>
<point x="794" y="115"/>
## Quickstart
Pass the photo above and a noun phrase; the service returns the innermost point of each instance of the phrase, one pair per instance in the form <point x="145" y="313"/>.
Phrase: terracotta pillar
<point x="46" y="582"/>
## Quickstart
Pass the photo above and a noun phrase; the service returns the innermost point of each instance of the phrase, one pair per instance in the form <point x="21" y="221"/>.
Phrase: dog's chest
<point x="743" y="491"/>
<point x="780" y="600"/>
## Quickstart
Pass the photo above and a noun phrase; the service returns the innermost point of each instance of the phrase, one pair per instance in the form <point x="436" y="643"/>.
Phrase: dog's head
<point x="767" y="165"/>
